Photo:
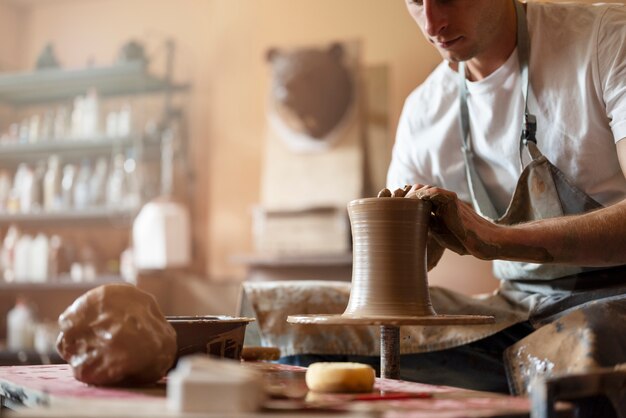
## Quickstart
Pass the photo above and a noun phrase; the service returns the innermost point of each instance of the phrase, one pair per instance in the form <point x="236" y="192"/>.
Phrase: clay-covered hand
<point x="455" y="225"/>
<point x="116" y="335"/>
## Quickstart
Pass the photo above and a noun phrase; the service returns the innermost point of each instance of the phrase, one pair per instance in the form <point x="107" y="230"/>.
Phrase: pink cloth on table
<point x="58" y="380"/>
<point x="447" y="402"/>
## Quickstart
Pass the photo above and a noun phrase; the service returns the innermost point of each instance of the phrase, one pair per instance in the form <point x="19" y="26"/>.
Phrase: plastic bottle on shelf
<point x="47" y="125"/>
<point x="115" y="186"/>
<point x="14" y="132"/>
<point x="52" y="184"/>
<point x="81" y="186"/>
<point x="54" y="253"/>
<point x="76" y="129"/>
<point x="18" y="185"/>
<point x="88" y="263"/>
<point x="44" y="338"/>
<point x="132" y="197"/>
<point x="39" y="174"/>
<point x="20" y="326"/>
<point x="33" y="129"/>
<point x="21" y="265"/>
<point x="24" y="131"/>
<point x="67" y="186"/>
<point x="38" y="259"/>
<point x="27" y="184"/>
<point x="128" y="270"/>
<point x="8" y="253"/>
<point x="111" y="124"/>
<point x="124" y="121"/>
<point x="5" y="189"/>
<point x="60" y="130"/>
<point x="98" y="183"/>
<point x="91" y="114"/>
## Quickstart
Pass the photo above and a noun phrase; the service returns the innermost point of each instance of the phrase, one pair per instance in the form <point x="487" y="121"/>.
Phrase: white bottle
<point x="38" y="265"/>
<point x="111" y="124"/>
<point x="98" y="183"/>
<point x="39" y="175"/>
<point x="5" y="189"/>
<point x="78" y="112"/>
<point x="124" y="121"/>
<point x="27" y="186"/>
<point x="18" y="179"/>
<point x="91" y="115"/>
<point x="115" y="186"/>
<point x="67" y="186"/>
<point x="54" y="253"/>
<point x="21" y="265"/>
<point x="81" y="186"/>
<point x="47" y="125"/>
<point x="60" y="129"/>
<point x="52" y="185"/>
<point x="20" y="326"/>
<point x="8" y="253"/>
<point x="33" y="129"/>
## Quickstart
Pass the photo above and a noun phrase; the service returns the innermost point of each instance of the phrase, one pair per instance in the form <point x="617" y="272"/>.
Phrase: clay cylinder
<point x="389" y="238"/>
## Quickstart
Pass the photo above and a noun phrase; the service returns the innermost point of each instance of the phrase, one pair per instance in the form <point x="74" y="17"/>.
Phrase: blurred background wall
<point x="221" y="46"/>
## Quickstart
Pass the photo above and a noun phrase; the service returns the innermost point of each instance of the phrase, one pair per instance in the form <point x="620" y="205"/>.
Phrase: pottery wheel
<point x="390" y="331"/>
<point x="391" y="320"/>
<point x="389" y="280"/>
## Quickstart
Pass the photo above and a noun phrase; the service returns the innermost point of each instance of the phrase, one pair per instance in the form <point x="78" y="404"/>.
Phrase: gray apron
<point x="580" y="311"/>
<point x="542" y="192"/>
<point x="536" y="292"/>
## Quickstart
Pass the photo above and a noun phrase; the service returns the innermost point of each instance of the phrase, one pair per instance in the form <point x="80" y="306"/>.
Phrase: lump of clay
<point x="116" y="335"/>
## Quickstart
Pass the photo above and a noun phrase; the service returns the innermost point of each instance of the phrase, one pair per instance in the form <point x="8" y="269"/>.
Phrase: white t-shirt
<point x="578" y="94"/>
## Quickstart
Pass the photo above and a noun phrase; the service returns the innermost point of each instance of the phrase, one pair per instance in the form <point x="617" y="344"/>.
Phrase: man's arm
<point x="596" y="238"/>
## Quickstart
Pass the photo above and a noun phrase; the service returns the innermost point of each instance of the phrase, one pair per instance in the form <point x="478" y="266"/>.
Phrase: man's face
<point x="460" y="29"/>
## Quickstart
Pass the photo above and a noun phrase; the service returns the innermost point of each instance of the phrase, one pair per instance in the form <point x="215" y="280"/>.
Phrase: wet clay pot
<point x="389" y="237"/>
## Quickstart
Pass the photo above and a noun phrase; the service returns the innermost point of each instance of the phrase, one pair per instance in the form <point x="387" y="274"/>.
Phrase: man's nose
<point x="435" y="20"/>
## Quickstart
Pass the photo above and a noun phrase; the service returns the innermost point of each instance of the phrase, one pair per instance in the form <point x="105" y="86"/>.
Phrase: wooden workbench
<point x="52" y="391"/>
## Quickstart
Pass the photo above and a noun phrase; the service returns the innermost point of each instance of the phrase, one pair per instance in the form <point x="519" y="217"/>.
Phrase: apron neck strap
<point x="529" y="125"/>
<point x="480" y="198"/>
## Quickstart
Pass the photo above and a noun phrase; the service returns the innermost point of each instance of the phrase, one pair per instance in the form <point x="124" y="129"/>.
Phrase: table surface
<point x="52" y="390"/>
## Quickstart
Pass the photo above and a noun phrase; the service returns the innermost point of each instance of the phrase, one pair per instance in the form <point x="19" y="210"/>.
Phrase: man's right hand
<point x="455" y="225"/>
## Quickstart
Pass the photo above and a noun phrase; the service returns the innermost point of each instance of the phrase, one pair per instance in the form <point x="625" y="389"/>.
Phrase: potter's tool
<point x="389" y="283"/>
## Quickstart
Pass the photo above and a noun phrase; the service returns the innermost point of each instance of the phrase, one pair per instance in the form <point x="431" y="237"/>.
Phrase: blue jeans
<point x="478" y="365"/>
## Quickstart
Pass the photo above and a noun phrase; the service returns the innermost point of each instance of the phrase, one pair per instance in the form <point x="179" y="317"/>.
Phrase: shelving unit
<point x="107" y="225"/>
<point x="53" y="85"/>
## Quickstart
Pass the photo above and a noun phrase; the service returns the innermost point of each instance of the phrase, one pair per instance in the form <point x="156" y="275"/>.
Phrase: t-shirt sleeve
<point x="612" y="67"/>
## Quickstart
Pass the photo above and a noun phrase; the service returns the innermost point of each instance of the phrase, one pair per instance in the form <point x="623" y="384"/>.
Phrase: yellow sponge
<point x="340" y="377"/>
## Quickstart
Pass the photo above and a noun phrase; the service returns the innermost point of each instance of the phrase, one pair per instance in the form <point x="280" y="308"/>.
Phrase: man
<point x="517" y="140"/>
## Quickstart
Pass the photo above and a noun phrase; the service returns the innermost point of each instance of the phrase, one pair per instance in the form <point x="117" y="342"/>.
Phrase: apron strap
<point x="529" y="125"/>
<point x="480" y="198"/>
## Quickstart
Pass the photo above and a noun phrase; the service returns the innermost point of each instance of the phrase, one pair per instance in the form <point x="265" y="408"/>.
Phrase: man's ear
<point x="271" y="53"/>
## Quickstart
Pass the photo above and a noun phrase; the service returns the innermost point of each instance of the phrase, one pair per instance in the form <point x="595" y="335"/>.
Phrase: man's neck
<point x="503" y="45"/>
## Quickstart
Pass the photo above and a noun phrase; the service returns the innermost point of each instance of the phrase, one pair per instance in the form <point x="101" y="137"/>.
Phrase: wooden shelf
<point x="79" y="147"/>
<point x="102" y="215"/>
<point x="49" y="85"/>
<point x="62" y="283"/>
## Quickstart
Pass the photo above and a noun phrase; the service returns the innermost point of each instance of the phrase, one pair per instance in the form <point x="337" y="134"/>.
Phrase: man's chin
<point x="454" y="56"/>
